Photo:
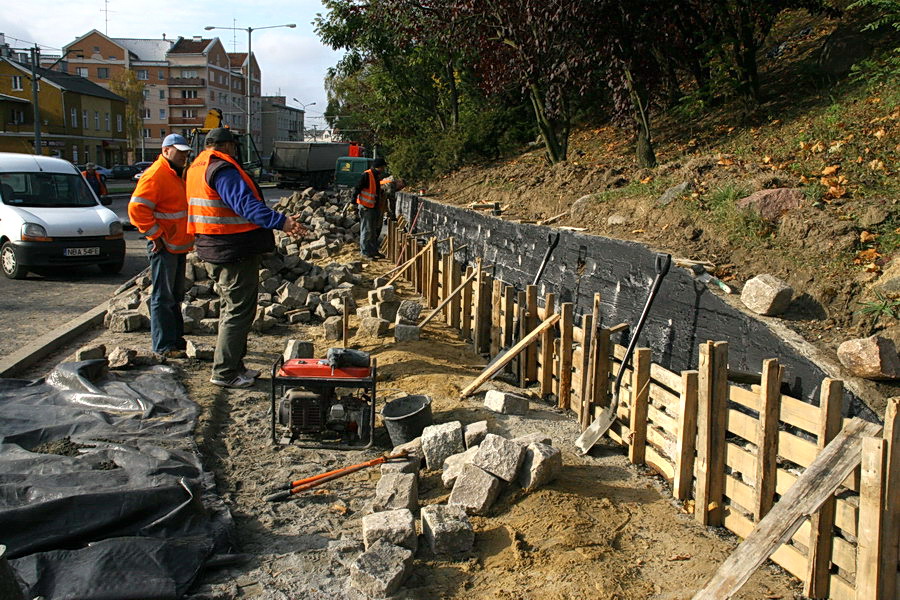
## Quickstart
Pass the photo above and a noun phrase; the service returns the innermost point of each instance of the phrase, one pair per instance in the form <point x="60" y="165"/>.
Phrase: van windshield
<point x="45" y="189"/>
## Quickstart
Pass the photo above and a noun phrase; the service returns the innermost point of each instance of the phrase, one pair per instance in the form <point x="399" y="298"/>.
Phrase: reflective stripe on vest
<point x="172" y="216"/>
<point x="368" y="196"/>
<point x="207" y="212"/>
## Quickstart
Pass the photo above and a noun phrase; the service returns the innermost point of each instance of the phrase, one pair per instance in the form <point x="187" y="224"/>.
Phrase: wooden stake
<point x="496" y="334"/>
<point x="869" y="566"/>
<point x="817" y="483"/>
<point x="589" y="394"/>
<point x="466" y="304"/>
<point x="565" y="360"/>
<point x="455" y="280"/>
<point x="767" y="438"/>
<point x="889" y="550"/>
<point x="711" y="425"/>
<point x="513" y="352"/>
<point x="434" y="276"/>
<point x="546" y="374"/>
<point x="822" y="523"/>
<point x="640" y="394"/>
<point x="584" y="367"/>
<point x="687" y="434"/>
<point x="407" y="264"/>
<point x="447" y="300"/>
<point x="531" y="321"/>
<point x="345" y="317"/>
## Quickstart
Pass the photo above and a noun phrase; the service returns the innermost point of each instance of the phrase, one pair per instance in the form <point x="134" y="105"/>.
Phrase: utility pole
<point x="35" y="57"/>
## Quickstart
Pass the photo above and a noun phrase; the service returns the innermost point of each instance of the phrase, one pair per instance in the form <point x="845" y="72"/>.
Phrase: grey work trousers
<point x="238" y="288"/>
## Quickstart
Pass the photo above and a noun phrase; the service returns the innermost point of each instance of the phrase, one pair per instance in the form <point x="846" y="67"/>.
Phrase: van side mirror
<point x="105" y="200"/>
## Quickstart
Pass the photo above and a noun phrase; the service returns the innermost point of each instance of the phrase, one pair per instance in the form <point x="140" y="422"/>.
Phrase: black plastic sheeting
<point x="131" y="514"/>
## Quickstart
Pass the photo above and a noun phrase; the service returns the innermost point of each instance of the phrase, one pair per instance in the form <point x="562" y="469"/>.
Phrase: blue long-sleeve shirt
<point x="240" y="198"/>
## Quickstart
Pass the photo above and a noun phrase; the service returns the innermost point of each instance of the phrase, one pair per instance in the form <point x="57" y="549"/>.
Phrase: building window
<point x="189" y="74"/>
<point x="97" y="120"/>
<point x="162" y="94"/>
<point x="74" y="122"/>
<point x="81" y="71"/>
<point x="188" y="93"/>
<point x="212" y="95"/>
<point x="188" y="113"/>
<point x="96" y="49"/>
<point x="161" y="75"/>
<point x="146" y="94"/>
<point x="119" y="123"/>
<point x="162" y="133"/>
<point x="184" y="132"/>
<point x="18" y="116"/>
<point x="84" y="119"/>
<point x="111" y="57"/>
<point x="17" y="83"/>
<point x="162" y="114"/>
<point x="143" y="74"/>
<point x="102" y="73"/>
<point x="145" y="113"/>
<point x="146" y="133"/>
<point x="107" y="122"/>
<point x="75" y="154"/>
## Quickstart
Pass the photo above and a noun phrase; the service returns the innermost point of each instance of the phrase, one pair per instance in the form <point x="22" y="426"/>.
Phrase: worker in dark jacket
<point x="95" y="179"/>
<point x="232" y="227"/>
<point x="368" y="197"/>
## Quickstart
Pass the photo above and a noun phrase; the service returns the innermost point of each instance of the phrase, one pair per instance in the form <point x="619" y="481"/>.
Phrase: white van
<point x="50" y="217"/>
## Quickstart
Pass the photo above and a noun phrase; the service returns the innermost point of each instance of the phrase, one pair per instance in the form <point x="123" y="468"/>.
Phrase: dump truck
<point x="307" y="164"/>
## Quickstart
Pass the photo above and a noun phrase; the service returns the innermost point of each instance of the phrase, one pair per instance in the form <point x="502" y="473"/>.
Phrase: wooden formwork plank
<point x="557" y="344"/>
<point x="455" y="300"/>
<point x="711" y="427"/>
<point x="496" y="333"/>
<point x="841" y="590"/>
<point x="788" y="557"/>
<point x="869" y="567"/>
<point x="601" y="368"/>
<point x="687" y="436"/>
<point x="889" y="551"/>
<point x="434" y="279"/>
<point x="406" y="265"/>
<point x="663" y="442"/>
<point x="797" y="450"/>
<point x="465" y="307"/>
<point x="508" y="310"/>
<point x="667" y="378"/>
<point x="590" y="395"/>
<point x="531" y="321"/>
<point x="640" y="383"/>
<point x="811" y="489"/>
<point x="663" y="420"/>
<point x="566" y="322"/>
<point x="821" y="534"/>
<point x="582" y="360"/>
<point x="518" y="365"/>
<point x="802" y="415"/>
<point x="454" y="294"/>
<point x="662" y="397"/>
<point x="659" y="463"/>
<point x="545" y="375"/>
<point x="766" y="438"/>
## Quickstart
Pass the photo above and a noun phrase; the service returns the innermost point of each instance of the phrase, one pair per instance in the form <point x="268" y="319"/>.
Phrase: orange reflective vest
<point x="207" y="212"/>
<point x="158" y="207"/>
<point x="369" y="196"/>
<point x="101" y="187"/>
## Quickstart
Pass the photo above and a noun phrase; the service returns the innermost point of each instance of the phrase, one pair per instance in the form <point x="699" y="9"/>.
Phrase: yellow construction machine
<point x="248" y="155"/>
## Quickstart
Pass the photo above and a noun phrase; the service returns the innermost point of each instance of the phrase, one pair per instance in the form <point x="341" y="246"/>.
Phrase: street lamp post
<point x="249" y="31"/>
<point x="303" y="120"/>
<point x="35" y="78"/>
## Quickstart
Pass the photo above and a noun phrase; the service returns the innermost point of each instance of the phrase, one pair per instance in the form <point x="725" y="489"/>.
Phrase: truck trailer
<point x="306" y="164"/>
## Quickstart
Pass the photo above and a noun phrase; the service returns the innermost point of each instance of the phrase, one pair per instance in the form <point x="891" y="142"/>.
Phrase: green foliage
<point x="126" y="84"/>
<point x="888" y="12"/>
<point x="881" y="307"/>
<point x="720" y="205"/>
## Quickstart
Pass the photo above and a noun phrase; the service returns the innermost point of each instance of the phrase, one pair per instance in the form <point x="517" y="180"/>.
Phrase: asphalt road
<point x="32" y="307"/>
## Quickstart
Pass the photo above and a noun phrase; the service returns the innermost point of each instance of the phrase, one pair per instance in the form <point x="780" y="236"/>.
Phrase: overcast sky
<point x="293" y="61"/>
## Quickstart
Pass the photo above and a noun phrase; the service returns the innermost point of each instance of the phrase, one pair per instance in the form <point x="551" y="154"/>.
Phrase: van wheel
<point x="9" y="262"/>
<point x="112" y="268"/>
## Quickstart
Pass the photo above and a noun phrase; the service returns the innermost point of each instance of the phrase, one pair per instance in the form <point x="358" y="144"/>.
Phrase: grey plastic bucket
<point x="406" y="417"/>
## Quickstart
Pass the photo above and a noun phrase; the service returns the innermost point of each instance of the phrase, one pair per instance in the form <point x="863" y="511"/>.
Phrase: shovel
<point x="552" y="243"/>
<point x="602" y="423"/>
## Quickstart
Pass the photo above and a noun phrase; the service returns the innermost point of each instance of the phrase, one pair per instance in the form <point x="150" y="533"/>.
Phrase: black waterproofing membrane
<point x="102" y="494"/>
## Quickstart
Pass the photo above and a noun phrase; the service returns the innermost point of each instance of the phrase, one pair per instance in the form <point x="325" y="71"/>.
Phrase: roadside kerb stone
<point x="381" y="570"/>
<point x="541" y="465"/>
<point x="406" y="333"/>
<point x="475" y="490"/>
<point x="396" y="527"/>
<point x="505" y="403"/>
<point x="500" y="457"/>
<point x="447" y="529"/>
<point x="474" y="433"/>
<point x="395" y="491"/>
<point x="441" y="441"/>
<point x="453" y="466"/>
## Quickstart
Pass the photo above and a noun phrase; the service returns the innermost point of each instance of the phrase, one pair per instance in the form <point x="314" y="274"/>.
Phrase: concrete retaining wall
<point x="684" y="314"/>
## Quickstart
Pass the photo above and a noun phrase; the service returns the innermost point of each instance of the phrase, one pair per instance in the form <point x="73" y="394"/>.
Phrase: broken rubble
<point x="873" y="357"/>
<point x="199" y="351"/>
<point x="90" y="352"/>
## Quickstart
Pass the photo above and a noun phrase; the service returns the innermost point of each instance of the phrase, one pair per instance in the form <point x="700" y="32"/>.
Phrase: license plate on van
<point x="82" y="252"/>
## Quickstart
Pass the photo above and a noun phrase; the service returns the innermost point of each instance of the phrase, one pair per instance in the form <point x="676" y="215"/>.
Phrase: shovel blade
<point x="595" y="431"/>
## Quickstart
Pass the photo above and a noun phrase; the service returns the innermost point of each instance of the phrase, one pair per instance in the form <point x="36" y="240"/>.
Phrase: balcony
<point x="187" y="81"/>
<point x="186" y="120"/>
<point x="187" y="101"/>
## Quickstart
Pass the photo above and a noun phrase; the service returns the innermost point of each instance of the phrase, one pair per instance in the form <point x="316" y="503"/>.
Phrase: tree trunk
<point x="454" y="95"/>
<point x="554" y="143"/>
<point x="646" y="157"/>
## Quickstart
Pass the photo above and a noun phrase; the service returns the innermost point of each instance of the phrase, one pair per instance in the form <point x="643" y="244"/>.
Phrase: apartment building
<point x="184" y="78"/>
<point x="80" y="120"/>
<point x="278" y="122"/>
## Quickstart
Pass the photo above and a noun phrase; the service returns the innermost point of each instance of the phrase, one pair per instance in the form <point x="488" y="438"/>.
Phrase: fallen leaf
<point x="647" y="179"/>
<point x="339" y="507"/>
<point x="726" y="162"/>
<point x="804" y="179"/>
<point x="865" y="237"/>
<point x="880" y="133"/>
<point x="675" y="557"/>
<point x="637" y="231"/>
<point x="837" y="192"/>
<point x="873" y="100"/>
<point x="767" y="160"/>
<point x="877" y="164"/>
<point x="817" y="147"/>
<point x="776" y="122"/>
<point x="859" y="159"/>
<point x="831" y="170"/>
<point x="835" y="147"/>
<point x="872" y="268"/>
<point x="805" y="145"/>
<point x="321" y="492"/>
<point x="867" y="256"/>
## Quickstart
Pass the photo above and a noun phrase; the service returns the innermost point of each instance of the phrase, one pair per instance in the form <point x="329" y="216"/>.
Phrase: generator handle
<point x="279" y="362"/>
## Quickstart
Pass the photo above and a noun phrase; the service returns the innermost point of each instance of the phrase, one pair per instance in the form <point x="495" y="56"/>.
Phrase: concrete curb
<point x="49" y="343"/>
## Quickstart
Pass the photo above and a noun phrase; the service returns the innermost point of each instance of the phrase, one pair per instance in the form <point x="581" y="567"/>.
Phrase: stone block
<point x="190" y="325"/>
<point x="475" y="490"/>
<point x="447" y="529"/>
<point x="473" y="433"/>
<point x="120" y="357"/>
<point x="387" y="293"/>
<point x="381" y="570"/>
<point x="199" y="351"/>
<point x="873" y="357"/>
<point x="453" y="466"/>
<point x="299" y="349"/>
<point x="767" y="295"/>
<point x="194" y="311"/>
<point x="293" y="296"/>
<point x="506" y="403"/>
<point x="401" y="466"/>
<point x="372" y="296"/>
<point x="396" y="490"/>
<point x="373" y="327"/>
<point x="212" y="308"/>
<point x="387" y="310"/>
<point x="408" y="312"/>
<point x="397" y="527"/>
<point x="380" y="281"/>
<point x="325" y="311"/>
<point x="406" y="333"/>
<point x="413" y="448"/>
<point x="364" y="312"/>
<point x="441" y="441"/>
<point x="542" y="464"/>
<point x="334" y="328"/>
<point x="126" y="321"/>
<point x="533" y="438"/>
<point x="500" y="457"/>
<point x="299" y="316"/>
<point x="276" y="311"/>
<point x="90" y="352"/>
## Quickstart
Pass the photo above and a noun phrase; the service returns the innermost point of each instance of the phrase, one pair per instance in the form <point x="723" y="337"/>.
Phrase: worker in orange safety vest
<point x="158" y="208"/>
<point x="95" y="179"/>
<point x="368" y="198"/>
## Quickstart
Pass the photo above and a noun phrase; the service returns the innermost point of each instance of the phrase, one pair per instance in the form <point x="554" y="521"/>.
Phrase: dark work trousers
<point x="238" y="287"/>
<point x="369" y="229"/>
<point x="166" y="320"/>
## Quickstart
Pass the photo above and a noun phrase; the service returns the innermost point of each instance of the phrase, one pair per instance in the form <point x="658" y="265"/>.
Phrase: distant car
<point x="104" y="172"/>
<point x="138" y="174"/>
<point x="141" y="165"/>
<point x="124" y="171"/>
<point x="50" y="217"/>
